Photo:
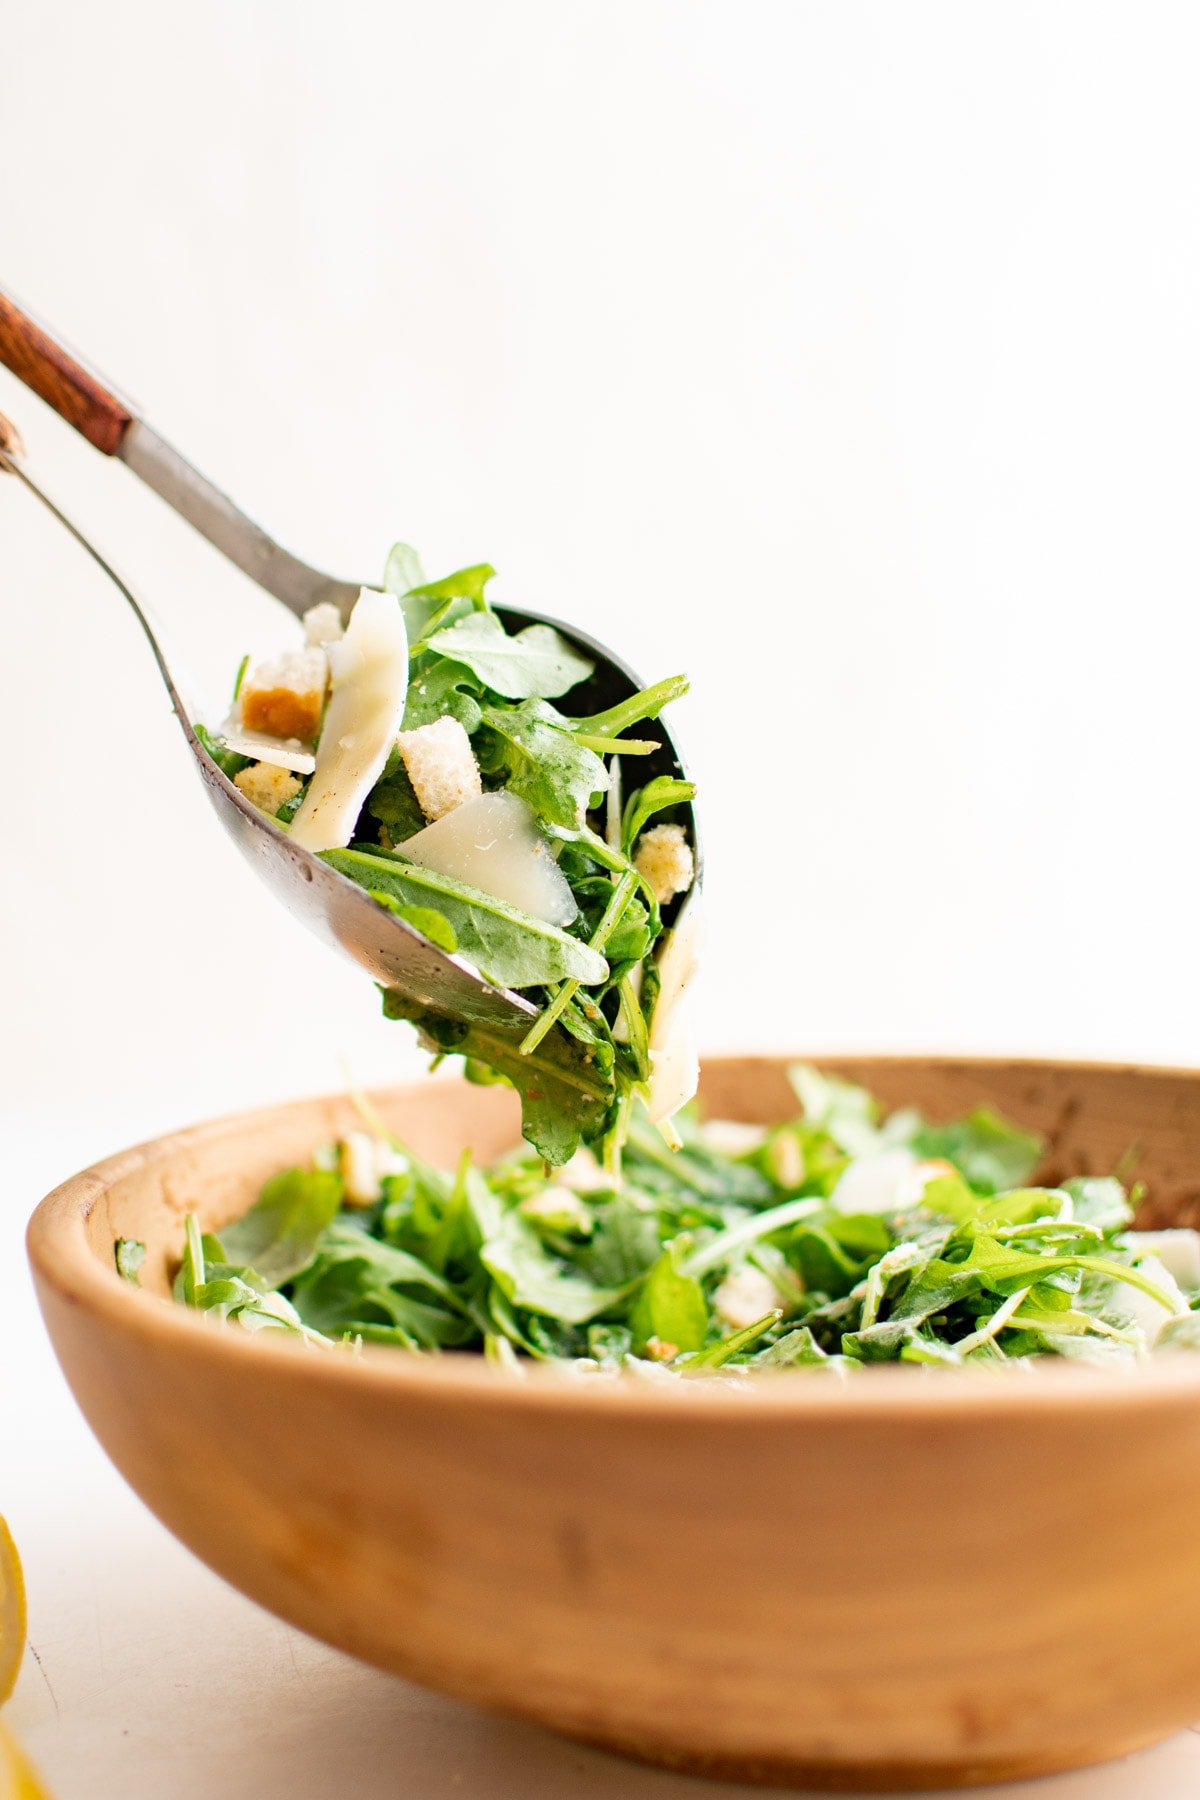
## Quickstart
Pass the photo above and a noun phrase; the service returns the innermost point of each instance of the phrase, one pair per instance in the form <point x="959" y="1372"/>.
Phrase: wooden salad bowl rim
<point x="73" y="1269"/>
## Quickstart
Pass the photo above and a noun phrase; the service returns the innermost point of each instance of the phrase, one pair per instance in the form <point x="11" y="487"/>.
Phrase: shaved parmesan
<point x="877" y="1182"/>
<point x="1178" y="1250"/>
<point x="493" y="844"/>
<point x="281" y="753"/>
<point x="366" y="706"/>
<point x="674" y="1060"/>
<point x="1143" y="1308"/>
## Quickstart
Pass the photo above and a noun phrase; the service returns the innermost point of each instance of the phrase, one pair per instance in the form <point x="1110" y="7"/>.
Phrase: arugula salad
<point x="837" y="1239"/>
<point x="419" y="752"/>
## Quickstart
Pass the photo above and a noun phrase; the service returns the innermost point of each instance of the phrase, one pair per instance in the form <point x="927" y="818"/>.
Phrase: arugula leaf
<point x="508" y="947"/>
<point x="542" y="762"/>
<point x="562" y="1104"/>
<point x="844" y="1112"/>
<point x="438" y="688"/>
<point x="402" y="571"/>
<point x="130" y="1254"/>
<point x="1003" y="1269"/>
<point x="624" y="1244"/>
<point x="715" y="1356"/>
<point x="278" y="1236"/>
<point x="992" y="1153"/>
<point x="657" y="795"/>
<point x="535" y="663"/>
<point x="1100" y="1201"/>
<point x="648" y="703"/>
<point x="393" y="803"/>
<point x="670" y="1307"/>
<point x="431" y="603"/>
<point x="528" y="1275"/>
<point x="228" y="761"/>
<point x="433" y="925"/>
<point x="354" y="1277"/>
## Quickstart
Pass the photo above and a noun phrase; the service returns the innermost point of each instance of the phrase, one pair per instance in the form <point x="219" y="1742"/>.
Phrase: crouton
<point x="285" y="698"/>
<point x="665" y="858"/>
<point x="364" y="1161"/>
<point x="744" y="1297"/>
<point x="441" y="766"/>
<point x="267" y="787"/>
<point x="323" y="624"/>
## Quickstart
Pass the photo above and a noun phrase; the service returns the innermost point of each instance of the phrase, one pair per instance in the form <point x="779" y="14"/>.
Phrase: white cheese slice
<point x="493" y="844"/>
<point x="1143" y="1308"/>
<point x="1178" y="1250"/>
<point x="281" y="753"/>
<point x="674" y="1059"/>
<point x="369" y="667"/>
<point x="875" y="1183"/>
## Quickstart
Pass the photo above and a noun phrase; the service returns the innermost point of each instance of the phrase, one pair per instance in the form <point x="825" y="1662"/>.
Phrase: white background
<point x="842" y="354"/>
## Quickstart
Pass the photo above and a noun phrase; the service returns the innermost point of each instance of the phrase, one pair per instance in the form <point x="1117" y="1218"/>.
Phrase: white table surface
<point x="147" y="1676"/>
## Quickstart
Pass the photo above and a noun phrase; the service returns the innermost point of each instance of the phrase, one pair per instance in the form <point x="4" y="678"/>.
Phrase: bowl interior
<point x="1096" y="1119"/>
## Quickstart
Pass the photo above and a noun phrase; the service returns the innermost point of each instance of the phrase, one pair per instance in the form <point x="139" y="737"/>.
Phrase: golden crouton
<point x="441" y="766"/>
<point x="323" y="624"/>
<point x="665" y="858"/>
<point x="285" y="698"/>
<point x="267" y="787"/>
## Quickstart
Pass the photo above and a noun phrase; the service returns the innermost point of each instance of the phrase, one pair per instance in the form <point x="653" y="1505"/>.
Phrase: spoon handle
<point x="62" y="379"/>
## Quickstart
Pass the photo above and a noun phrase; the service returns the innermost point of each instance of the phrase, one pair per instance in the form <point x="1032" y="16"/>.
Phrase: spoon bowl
<point x="432" y="987"/>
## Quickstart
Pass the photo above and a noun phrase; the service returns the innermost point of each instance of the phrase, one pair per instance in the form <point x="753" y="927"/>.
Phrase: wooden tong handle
<point x="44" y="363"/>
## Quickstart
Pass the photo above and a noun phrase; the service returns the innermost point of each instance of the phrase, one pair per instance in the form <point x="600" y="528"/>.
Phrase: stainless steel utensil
<point x="431" y="983"/>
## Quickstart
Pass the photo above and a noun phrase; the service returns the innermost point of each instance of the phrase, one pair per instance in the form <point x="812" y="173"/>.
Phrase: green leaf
<point x="228" y="761"/>
<point x="353" y="1277"/>
<point x="1100" y="1201"/>
<point x="657" y="795"/>
<point x="625" y="1242"/>
<point x="715" y="1356"/>
<point x="130" y="1254"/>
<point x="992" y="1153"/>
<point x="279" y="1235"/>
<point x="402" y="571"/>
<point x="506" y="946"/>
<point x="433" y="925"/>
<point x="718" y="1250"/>
<point x="1003" y="1269"/>
<point x="563" y="1102"/>
<point x="844" y="1112"/>
<point x="438" y="689"/>
<point x="529" y="1275"/>
<point x="796" y="1349"/>
<point x="393" y="802"/>
<point x="647" y="703"/>
<point x="542" y="762"/>
<point x="670" y="1306"/>
<point x="535" y="663"/>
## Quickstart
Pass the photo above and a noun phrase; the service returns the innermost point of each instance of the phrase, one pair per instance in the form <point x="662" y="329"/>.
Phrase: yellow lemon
<point x="17" y="1779"/>
<point x="12" y="1613"/>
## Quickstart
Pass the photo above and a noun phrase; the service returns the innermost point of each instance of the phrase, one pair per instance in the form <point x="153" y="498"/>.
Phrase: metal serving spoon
<point x="429" y="981"/>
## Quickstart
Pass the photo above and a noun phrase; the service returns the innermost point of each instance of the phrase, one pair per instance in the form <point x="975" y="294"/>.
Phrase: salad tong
<point x="430" y="982"/>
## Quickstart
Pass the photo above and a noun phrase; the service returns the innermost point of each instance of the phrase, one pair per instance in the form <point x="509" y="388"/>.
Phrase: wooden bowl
<point x="908" y="1579"/>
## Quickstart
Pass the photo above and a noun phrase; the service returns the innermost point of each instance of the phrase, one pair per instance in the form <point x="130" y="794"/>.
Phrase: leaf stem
<point x="619" y="899"/>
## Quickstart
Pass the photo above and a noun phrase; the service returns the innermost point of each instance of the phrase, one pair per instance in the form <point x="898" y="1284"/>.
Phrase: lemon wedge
<point x="17" y="1779"/>
<point x="12" y="1613"/>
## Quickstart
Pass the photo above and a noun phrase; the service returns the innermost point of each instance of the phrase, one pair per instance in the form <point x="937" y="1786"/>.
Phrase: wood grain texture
<point x="58" y="377"/>
<point x="904" y="1580"/>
